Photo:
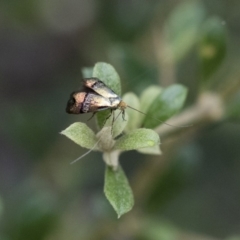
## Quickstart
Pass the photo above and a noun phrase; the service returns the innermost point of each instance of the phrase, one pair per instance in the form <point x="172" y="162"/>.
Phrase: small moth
<point x="95" y="96"/>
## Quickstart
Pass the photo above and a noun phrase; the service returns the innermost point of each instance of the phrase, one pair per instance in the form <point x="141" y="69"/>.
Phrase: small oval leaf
<point x="81" y="134"/>
<point x="107" y="74"/>
<point x="168" y="103"/>
<point x="139" y="138"/>
<point x="148" y="95"/>
<point x="117" y="190"/>
<point x="147" y="98"/>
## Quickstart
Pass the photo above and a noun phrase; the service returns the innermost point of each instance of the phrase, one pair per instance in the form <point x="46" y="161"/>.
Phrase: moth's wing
<point x="84" y="102"/>
<point x="75" y="102"/>
<point x="94" y="103"/>
<point x="99" y="87"/>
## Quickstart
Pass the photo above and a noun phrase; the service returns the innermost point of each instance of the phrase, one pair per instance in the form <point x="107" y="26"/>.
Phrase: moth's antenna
<point x="121" y="112"/>
<point x="185" y="126"/>
<point x="86" y="153"/>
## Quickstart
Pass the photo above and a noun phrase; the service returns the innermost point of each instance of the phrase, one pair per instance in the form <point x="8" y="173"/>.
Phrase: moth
<point x="94" y="97"/>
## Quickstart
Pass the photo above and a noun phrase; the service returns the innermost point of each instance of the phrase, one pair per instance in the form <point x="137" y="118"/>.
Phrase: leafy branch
<point x="134" y="133"/>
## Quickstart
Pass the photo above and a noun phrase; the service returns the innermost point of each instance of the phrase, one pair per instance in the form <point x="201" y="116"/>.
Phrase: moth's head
<point x="75" y="102"/>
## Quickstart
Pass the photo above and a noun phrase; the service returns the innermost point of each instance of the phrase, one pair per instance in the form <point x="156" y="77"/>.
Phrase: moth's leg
<point x="113" y="113"/>
<point x="107" y="118"/>
<point x="92" y="116"/>
<point x="123" y="115"/>
<point x="109" y="115"/>
<point x="118" y="115"/>
<point x="115" y="118"/>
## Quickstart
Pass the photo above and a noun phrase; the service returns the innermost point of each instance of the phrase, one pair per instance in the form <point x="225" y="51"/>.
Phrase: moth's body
<point x="95" y="96"/>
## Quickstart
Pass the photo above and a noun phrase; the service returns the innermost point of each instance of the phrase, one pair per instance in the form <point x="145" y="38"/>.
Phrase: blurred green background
<point x="192" y="191"/>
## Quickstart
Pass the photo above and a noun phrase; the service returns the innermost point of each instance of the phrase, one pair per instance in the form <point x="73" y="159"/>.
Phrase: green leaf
<point x="155" y="150"/>
<point x="212" y="46"/>
<point x="118" y="191"/>
<point x="133" y="116"/>
<point x="168" y="103"/>
<point x="106" y="73"/>
<point x="87" y="72"/>
<point x="148" y="96"/>
<point x="182" y="28"/>
<point x="139" y="138"/>
<point x="81" y="134"/>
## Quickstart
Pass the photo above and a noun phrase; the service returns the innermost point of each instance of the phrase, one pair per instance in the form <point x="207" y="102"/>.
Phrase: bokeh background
<point x="192" y="191"/>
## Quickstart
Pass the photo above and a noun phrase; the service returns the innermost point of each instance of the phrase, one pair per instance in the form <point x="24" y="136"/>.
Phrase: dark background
<point x="43" y="47"/>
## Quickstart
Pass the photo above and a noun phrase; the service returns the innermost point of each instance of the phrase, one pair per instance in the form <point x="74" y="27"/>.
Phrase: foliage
<point x="165" y="104"/>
